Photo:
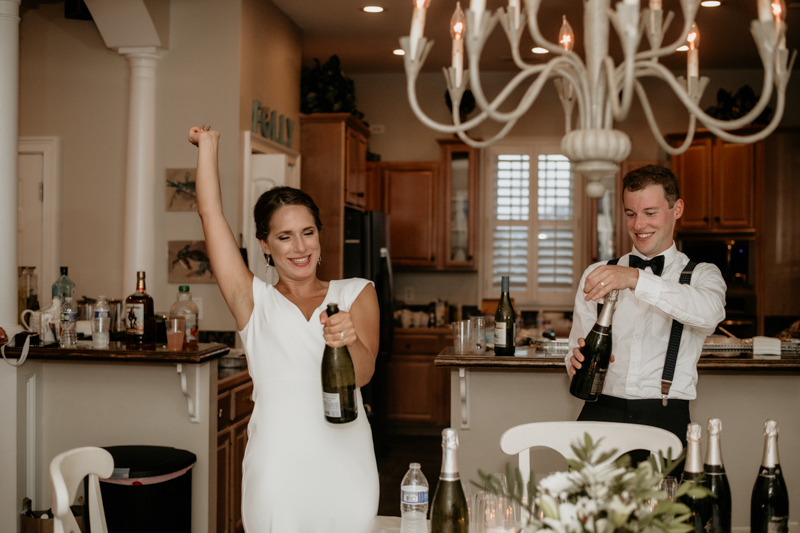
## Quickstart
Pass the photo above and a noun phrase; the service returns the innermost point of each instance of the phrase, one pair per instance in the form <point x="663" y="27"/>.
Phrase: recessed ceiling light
<point x="711" y="3"/>
<point x="540" y="50"/>
<point x="373" y="9"/>
<point x="399" y="52"/>
<point x="683" y="48"/>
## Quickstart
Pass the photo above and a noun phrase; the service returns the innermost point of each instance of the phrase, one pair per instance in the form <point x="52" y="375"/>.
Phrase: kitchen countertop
<point x="118" y="351"/>
<point x="741" y="364"/>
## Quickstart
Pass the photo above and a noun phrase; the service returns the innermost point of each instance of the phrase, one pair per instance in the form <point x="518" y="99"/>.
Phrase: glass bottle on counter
<point x="717" y="481"/>
<point x="769" y="504"/>
<point x="63" y="286"/>
<point x="338" y="382"/>
<point x="140" y="317"/>
<point x="699" y="508"/>
<point x="449" y="505"/>
<point x="587" y="383"/>
<point x="504" y="320"/>
<point x="185" y="307"/>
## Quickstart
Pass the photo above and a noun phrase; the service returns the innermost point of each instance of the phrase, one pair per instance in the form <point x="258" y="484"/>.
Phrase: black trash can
<point x="150" y="490"/>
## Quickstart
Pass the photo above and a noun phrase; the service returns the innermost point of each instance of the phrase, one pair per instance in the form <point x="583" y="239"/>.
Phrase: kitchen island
<point x="491" y="394"/>
<point x="72" y="397"/>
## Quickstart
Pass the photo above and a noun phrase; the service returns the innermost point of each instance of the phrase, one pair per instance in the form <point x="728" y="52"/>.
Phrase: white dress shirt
<point x="642" y="323"/>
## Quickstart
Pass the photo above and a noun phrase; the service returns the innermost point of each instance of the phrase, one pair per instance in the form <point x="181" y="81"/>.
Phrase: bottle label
<point x="414" y="494"/>
<point x="599" y="379"/>
<point x="778" y="524"/>
<point x="69" y="317"/>
<point x="500" y="334"/>
<point x="191" y="327"/>
<point x="333" y="407"/>
<point x="134" y="319"/>
<point x="102" y="314"/>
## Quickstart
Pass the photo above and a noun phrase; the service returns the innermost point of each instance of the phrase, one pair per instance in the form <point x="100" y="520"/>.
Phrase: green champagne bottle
<point x="338" y="382"/>
<point x="769" y="505"/>
<point x="587" y="383"/>
<point x="717" y="481"/>
<point x="699" y="508"/>
<point x="449" y="506"/>
<point x="504" y="319"/>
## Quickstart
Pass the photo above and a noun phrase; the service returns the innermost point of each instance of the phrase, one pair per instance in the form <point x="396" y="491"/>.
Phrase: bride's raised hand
<point x="197" y="132"/>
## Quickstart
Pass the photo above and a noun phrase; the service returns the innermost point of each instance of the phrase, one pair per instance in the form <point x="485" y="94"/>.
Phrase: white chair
<point x="560" y="436"/>
<point x="67" y="471"/>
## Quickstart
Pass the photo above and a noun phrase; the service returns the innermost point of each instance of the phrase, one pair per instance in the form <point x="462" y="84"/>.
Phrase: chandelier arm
<point x="444" y="128"/>
<point x="581" y="95"/>
<point x="688" y="19"/>
<point x="651" y="121"/>
<point x="755" y="137"/>
<point x="660" y="71"/>
<point x="484" y="144"/>
<point x="620" y="110"/>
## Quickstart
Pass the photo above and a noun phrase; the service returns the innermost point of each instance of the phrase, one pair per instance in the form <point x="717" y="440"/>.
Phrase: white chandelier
<point x="602" y="90"/>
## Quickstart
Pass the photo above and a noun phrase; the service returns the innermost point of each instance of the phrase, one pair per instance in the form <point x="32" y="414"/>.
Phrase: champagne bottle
<point x="140" y="318"/>
<point x="449" y="506"/>
<point x="699" y="508"/>
<point x="504" y="319"/>
<point x="717" y="481"/>
<point x="769" y="505"/>
<point x="587" y="383"/>
<point x="338" y="382"/>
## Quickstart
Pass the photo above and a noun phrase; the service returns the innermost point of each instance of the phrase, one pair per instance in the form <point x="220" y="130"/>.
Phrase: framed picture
<point x="188" y="263"/>
<point x="181" y="190"/>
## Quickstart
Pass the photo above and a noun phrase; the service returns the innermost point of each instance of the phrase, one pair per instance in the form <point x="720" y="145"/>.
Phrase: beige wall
<point x="73" y="87"/>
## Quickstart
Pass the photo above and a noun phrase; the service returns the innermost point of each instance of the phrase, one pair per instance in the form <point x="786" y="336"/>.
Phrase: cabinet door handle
<point x="360" y="194"/>
<point x="716" y="219"/>
<point x="705" y="219"/>
<point x="220" y="413"/>
<point x="469" y="258"/>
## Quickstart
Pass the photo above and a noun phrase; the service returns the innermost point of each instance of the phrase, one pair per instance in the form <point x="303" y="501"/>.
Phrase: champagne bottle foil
<point x="449" y="462"/>
<point x="714" y="449"/>
<point x="770" y="458"/>
<point x="694" y="461"/>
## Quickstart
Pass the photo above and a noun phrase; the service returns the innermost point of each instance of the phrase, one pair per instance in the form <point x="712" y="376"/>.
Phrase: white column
<point x="139" y="232"/>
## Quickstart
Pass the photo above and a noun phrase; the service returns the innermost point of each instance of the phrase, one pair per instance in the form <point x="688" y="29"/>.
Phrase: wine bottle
<point x="769" y="505"/>
<point x="338" y="382"/>
<point x="587" y="383"/>
<point x="449" y="506"/>
<point x="699" y="508"/>
<point x="717" y="481"/>
<point x="140" y="318"/>
<point x="504" y="319"/>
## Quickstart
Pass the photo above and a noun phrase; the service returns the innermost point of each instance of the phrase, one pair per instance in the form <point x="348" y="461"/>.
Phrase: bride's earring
<point x="269" y="260"/>
<point x="319" y="260"/>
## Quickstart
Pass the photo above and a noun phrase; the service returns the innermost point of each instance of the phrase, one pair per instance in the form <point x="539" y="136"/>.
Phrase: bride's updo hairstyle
<point x="275" y="198"/>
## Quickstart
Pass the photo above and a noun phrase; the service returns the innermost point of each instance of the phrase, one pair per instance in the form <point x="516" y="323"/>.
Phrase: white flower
<point x="569" y="517"/>
<point x="548" y="506"/>
<point x="557" y="483"/>
<point x="619" y="511"/>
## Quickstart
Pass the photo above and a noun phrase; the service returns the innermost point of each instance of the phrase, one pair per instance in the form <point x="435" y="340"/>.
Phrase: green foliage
<point x="732" y="106"/>
<point x="324" y="88"/>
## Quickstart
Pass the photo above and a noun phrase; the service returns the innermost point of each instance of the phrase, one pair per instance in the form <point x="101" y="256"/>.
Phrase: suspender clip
<point x="664" y="400"/>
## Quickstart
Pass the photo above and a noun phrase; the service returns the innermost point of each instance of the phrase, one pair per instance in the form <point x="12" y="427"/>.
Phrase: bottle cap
<point x="449" y="438"/>
<point x="333" y="309"/>
<point x="714" y="426"/>
<point x="414" y="465"/>
<point x="694" y="432"/>
<point x="612" y="296"/>
<point x="183" y="288"/>
<point x="64" y="271"/>
<point x="771" y="428"/>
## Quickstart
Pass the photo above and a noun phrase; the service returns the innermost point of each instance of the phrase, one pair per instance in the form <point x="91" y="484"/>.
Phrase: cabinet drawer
<point x="223" y="410"/>
<point x="417" y="344"/>
<point x="241" y="401"/>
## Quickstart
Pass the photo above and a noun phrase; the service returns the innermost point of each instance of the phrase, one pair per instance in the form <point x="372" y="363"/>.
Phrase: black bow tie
<point x="656" y="263"/>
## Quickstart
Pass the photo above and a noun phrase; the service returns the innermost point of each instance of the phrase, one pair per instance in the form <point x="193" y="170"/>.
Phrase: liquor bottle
<point x="769" y="505"/>
<point x="338" y="382"/>
<point x="449" y="505"/>
<point x="699" y="508"/>
<point x="587" y="383"/>
<point x="414" y="501"/>
<point x="185" y="307"/>
<point x="63" y="286"/>
<point x="140" y="318"/>
<point x="504" y="319"/>
<point x="717" y="481"/>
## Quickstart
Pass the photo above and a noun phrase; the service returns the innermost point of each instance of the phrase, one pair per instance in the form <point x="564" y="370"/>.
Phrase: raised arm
<point x="233" y="277"/>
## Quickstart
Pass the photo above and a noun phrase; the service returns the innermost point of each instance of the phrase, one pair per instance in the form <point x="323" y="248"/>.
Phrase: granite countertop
<point x="743" y="363"/>
<point x="120" y="352"/>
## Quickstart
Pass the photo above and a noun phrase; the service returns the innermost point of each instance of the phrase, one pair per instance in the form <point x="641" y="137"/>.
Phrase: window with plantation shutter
<point x="531" y="235"/>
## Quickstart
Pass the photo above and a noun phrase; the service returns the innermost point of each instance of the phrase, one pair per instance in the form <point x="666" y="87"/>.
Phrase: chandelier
<point x="602" y="91"/>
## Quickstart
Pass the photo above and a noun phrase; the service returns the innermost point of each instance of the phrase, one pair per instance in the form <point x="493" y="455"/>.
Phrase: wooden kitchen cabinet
<point x="718" y="180"/>
<point x="459" y="205"/>
<point x="234" y="406"/>
<point x="418" y="393"/>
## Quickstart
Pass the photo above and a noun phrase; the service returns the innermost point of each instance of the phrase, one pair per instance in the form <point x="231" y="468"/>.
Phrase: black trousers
<point x="674" y="417"/>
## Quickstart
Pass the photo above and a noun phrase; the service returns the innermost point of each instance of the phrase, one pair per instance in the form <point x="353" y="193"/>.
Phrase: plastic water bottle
<point x="101" y="323"/>
<point x="69" y="317"/>
<point x="414" y="501"/>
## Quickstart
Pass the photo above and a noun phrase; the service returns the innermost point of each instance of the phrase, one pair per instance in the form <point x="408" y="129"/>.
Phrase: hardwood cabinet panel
<point x="355" y="174"/>
<point x="693" y="169"/>
<point x="411" y="203"/>
<point x="733" y="185"/>
<point x="373" y="187"/>
<point x="459" y="205"/>
<point x="417" y="344"/>
<point x="239" y="434"/>
<point x="224" y="415"/>
<point x="242" y="400"/>
<point x="224" y="451"/>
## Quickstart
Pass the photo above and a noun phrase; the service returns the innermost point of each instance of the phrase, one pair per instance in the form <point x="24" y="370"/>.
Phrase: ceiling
<point x="364" y="42"/>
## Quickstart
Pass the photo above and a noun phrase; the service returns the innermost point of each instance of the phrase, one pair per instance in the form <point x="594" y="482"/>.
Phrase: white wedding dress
<point x="301" y="474"/>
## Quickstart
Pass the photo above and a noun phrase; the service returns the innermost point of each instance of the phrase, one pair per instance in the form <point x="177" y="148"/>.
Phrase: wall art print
<point x="188" y="263"/>
<point x="181" y="190"/>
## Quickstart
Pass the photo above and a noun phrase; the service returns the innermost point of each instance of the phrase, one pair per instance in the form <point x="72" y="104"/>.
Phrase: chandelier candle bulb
<point x="457" y="24"/>
<point x="417" y="24"/>
<point x="566" y="37"/>
<point x="692" y="56"/>
<point x="765" y="10"/>
<point x="655" y="5"/>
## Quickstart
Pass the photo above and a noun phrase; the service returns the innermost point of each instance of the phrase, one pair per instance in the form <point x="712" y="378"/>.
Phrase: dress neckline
<point x="294" y="305"/>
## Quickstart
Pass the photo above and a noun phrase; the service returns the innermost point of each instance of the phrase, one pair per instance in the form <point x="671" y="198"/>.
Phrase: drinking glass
<point x="477" y="326"/>
<point x="461" y="337"/>
<point x="669" y="485"/>
<point x="176" y="333"/>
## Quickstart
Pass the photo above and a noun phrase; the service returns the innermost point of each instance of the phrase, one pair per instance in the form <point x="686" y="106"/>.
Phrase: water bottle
<point x="101" y="323"/>
<point x="69" y="317"/>
<point x="414" y="501"/>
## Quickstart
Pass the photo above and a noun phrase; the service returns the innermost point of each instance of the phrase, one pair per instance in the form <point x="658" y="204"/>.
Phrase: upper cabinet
<point x="720" y="179"/>
<point x="433" y="208"/>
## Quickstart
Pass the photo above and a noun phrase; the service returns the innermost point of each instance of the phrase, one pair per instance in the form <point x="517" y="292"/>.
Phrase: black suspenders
<point x="674" y="337"/>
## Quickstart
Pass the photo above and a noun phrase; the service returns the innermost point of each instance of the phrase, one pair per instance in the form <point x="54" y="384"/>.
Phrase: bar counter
<point x="119" y="351"/>
<point x="489" y="395"/>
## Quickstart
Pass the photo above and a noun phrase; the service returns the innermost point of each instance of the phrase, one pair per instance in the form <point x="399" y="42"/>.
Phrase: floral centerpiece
<point x="600" y="494"/>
